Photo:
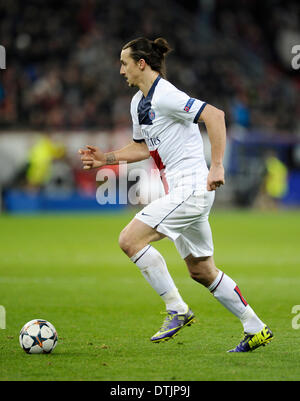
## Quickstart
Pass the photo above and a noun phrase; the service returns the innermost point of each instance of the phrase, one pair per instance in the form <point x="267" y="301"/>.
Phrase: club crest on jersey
<point x="189" y="104"/>
<point x="151" y="114"/>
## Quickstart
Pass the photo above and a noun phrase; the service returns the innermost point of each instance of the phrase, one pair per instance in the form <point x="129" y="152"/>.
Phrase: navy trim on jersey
<point x="144" y="105"/>
<point x="199" y="112"/>
<point x="139" y="140"/>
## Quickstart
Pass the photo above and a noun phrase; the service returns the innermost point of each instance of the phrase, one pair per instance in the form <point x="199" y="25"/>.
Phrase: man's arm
<point x="93" y="157"/>
<point x="214" y="120"/>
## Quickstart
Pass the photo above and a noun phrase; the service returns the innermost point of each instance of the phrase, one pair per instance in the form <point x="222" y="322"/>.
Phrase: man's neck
<point x="147" y="81"/>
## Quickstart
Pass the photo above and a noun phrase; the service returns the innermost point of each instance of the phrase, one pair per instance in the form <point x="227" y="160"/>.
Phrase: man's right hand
<point x="92" y="157"/>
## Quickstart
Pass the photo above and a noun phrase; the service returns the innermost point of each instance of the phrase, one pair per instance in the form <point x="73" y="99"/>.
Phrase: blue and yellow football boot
<point x="172" y="324"/>
<point x="252" y="341"/>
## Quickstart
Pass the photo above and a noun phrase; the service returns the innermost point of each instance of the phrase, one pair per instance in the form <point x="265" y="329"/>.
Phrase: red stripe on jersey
<point x="156" y="157"/>
<point x="160" y="165"/>
<point x="237" y="290"/>
<point x="164" y="182"/>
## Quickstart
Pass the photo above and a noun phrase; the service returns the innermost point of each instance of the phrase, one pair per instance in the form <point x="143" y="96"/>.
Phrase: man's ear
<point x="142" y="64"/>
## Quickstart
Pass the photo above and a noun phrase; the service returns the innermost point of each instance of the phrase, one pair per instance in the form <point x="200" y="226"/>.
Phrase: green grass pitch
<point x="70" y="271"/>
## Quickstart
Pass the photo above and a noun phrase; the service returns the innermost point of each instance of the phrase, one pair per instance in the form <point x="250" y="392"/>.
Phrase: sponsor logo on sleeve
<point x="189" y="104"/>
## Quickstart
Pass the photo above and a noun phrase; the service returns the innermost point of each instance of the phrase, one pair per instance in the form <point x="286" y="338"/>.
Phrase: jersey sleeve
<point x="136" y="128"/>
<point x="178" y="105"/>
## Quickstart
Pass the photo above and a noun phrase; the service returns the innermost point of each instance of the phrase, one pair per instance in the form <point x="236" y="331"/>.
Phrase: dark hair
<point x="152" y="51"/>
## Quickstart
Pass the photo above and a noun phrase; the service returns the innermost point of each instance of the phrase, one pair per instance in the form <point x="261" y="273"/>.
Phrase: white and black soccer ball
<point x="38" y="337"/>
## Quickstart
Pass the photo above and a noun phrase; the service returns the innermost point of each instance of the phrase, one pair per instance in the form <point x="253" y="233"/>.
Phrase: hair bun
<point x="161" y="45"/>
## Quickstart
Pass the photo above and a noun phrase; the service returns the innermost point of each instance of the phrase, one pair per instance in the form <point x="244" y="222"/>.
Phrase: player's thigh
<point x="196" y="240"/>
<point x="136" y="235"/>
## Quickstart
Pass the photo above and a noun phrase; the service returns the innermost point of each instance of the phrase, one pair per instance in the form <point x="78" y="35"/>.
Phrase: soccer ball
<point x="38" y="337"/>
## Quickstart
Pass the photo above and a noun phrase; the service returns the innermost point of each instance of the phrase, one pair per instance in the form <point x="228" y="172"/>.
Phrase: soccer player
<point x="165" y="126"/>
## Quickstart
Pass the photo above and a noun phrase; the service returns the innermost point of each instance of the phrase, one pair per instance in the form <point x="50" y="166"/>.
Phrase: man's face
<point x="129" y="68"/>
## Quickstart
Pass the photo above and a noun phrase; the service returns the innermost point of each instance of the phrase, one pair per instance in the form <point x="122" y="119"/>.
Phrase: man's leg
<point x="135" y="241"/>
<point x="226" y="291"/>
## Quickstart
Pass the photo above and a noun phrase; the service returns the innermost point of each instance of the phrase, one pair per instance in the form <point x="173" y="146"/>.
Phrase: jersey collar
<point x="152" y="89"/>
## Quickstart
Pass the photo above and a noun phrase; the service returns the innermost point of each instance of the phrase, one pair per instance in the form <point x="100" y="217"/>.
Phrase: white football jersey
<point x="167" y="120"/>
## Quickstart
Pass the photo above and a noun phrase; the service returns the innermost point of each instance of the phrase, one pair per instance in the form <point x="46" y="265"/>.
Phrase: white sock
<point x="225" y="290"/>
<point x="154" y="269"/>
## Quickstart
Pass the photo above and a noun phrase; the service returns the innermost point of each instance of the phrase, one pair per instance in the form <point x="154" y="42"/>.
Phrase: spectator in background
<point x="40" y="160"/>
<point x="275" y="183"/>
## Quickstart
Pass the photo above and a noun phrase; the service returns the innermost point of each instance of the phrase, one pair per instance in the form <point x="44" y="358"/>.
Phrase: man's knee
<point x="129" y="243"/>
<point x="199" y="276"/>
<point x="202" y="270"/>
<point x="124" y="241"/>
<point x="136" y="235"/>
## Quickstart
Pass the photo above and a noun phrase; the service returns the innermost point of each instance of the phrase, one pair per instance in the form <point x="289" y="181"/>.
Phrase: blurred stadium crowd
<point x="62" y="77"/>
<point x="63" y="59"/>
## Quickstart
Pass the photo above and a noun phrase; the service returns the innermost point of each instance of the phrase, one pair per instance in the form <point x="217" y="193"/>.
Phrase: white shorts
<point x="183" y="217"/>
